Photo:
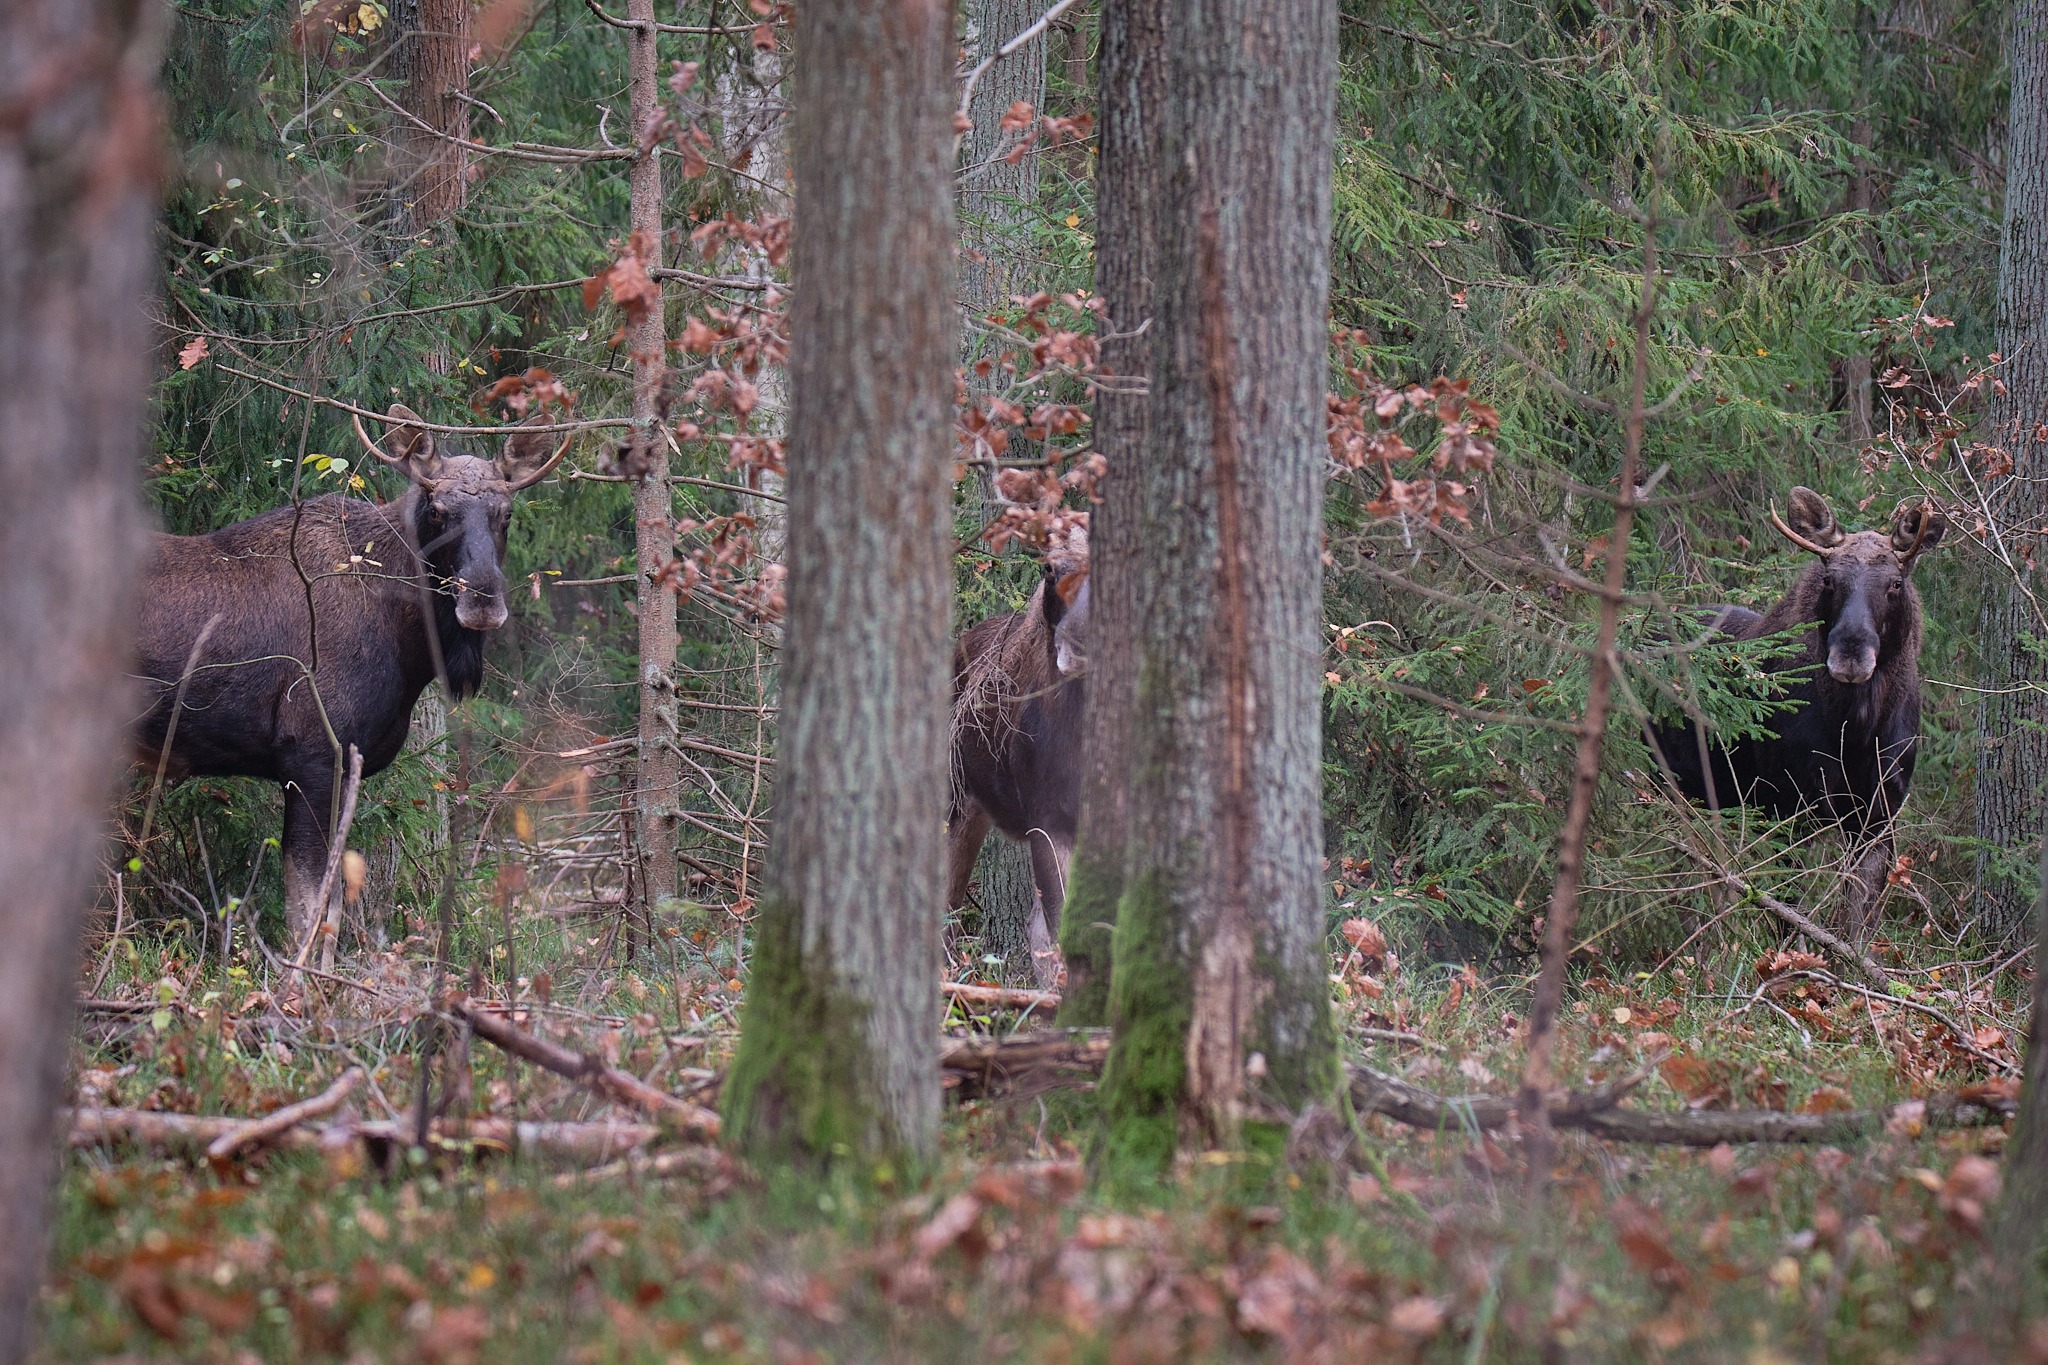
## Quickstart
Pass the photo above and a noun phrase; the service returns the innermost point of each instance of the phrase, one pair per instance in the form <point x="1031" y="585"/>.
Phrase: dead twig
<point x="692" y="1120"/>
<point x="278" y="1122"/>
<point x="1000" y="997"/>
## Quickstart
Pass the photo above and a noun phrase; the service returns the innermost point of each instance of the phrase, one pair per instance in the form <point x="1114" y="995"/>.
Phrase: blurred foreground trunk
<point x="838" y="1051"/>
<point x="79" y="163"/>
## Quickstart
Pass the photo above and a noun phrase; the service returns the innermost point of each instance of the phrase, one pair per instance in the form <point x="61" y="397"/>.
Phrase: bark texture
<point x="432" y="58"/>
<point x="2022" y="1211"/>
<point x="659" y="770"/>
<point x="996" y="197"/>
<point x="2012" y="767"/>
<point x="1218" y="998"/>
<point x="79" y="162"/>
<point x="1132" y="79"/>
<point x="838" y="1053"/>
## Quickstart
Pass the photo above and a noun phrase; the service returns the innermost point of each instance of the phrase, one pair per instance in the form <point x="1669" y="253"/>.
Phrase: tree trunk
<point x="79" y="162"/>
<point x="659" y="771"/>
<point x="432" y="58"/>
<point x="2025" y="1205"/>
<point x="2012" y="767"/>
<point x="1133" y="85"/>
<point x="996" y="196"/>
<point x="1219" y="998"/>
<point x="995" y="234"/>
<point x="751" y="116"/>
<point x="838" y="1047"/>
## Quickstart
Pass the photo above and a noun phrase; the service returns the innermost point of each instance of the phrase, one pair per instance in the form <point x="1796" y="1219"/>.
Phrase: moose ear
<point x="1050" y="601"/>
<point x="1916" y="528"/>
<point x="1812" y="518"/>
<point x="530" y="456"/>
<point x="410" y="446"/>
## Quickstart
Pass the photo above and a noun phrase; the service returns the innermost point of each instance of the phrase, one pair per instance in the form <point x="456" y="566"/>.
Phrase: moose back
<point x="1845" y="749"/>
<point x="311" y="629"/>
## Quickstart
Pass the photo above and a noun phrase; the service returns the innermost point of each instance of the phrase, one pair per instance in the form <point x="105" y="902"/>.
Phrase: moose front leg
<point x="307" y="811"/>
<point x="1050" y="860"/>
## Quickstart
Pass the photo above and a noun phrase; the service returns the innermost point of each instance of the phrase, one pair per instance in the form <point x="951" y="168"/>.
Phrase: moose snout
<point x="479" y="610"/>
<point x="1852" y="664"/>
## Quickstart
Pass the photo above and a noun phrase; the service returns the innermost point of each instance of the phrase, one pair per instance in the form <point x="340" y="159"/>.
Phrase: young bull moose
<point x="327" y="618"/>
<point x="1846" y="748"/>
<point x="1017" y="696"/>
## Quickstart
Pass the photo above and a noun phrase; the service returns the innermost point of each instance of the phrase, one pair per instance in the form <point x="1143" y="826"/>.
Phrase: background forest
<point x="361" y="217"/>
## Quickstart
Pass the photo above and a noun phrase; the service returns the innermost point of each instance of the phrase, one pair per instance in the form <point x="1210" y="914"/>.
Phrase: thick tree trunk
<point x="659" y="771"/>
<point x="2012" y="766"/>
<point x="1219" y="999"/>
<point x="995" y="234"/>
<point x="79" y="159"/>
<point x="1133" y="85"/>
<point x="432" y="58"/>
<point x="838" y="1048"/>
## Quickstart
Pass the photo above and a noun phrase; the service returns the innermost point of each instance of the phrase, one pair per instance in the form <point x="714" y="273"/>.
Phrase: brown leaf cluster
<point x="1365" y="432"/>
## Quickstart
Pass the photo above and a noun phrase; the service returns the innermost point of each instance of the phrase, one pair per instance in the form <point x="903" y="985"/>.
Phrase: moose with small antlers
<point x="1845" y="749"/>
<point x="289" y="638"/>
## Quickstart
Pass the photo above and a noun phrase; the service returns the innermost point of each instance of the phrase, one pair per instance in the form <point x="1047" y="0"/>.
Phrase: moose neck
<point x="461" y="664"/>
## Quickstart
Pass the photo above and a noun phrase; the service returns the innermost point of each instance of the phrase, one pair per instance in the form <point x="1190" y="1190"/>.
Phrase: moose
<point x="284" y="640"/>
<point x="1018" y="691"/>
<point x="1845" y="748"/>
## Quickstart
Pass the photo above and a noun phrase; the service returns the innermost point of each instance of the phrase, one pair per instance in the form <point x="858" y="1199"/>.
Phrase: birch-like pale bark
<point x="658" y="771"/>
<point x="79" y="163"/>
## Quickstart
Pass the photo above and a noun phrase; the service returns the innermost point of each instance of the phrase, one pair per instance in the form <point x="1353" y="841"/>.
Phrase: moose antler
<point x="529" y="480"/>
<point x="1801" y="541"/>
<point x="392" y="460"/>
<point x="1919" y="529"/>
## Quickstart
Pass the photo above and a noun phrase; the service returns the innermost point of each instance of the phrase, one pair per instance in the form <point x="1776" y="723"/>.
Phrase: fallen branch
<point x="1597" y="1113"/>
<point x="1865" y="965"/>
<point x="278" y="1122"/>
<point x="1042" y="1061"/>
<point x="194" y="1133"/>
<point x="692" y="1120"/>
<point x="708" y="1163"/>
<point x="1029" y="1062"/>
<point x="1000" y="997"/>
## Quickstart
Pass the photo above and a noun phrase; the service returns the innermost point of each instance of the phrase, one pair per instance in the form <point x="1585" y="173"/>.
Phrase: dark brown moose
<point x="1018" y="690"/>
<point x="1846" y="749"/>
<point x="325" y="630"/>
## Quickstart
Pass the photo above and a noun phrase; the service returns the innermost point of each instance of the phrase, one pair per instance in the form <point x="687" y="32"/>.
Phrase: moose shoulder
<point x="314" y="628"/>
<point x="1845" y="749"/>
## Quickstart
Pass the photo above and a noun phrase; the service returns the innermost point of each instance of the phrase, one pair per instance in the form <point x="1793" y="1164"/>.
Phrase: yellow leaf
<point x="1761" y="351"/>
<point x="1073" y="220"/>
<point x="367" y="16"/>
<point x="480" y="1276"/>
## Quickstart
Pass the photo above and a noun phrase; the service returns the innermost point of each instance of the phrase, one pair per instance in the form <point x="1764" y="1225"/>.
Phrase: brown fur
<point x="1017" y="734"/>
<point x="1846" y="750"/>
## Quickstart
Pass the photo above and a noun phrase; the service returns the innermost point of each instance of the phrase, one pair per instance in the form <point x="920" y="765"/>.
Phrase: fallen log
<point x="1026" y="1063"/>
<point x="278" y="1122"/>
<point x="692" y="1120"/>
<point x="1040" y="1061"/>
<point x="999" y="997"/>
<point x="194" y="1133"/>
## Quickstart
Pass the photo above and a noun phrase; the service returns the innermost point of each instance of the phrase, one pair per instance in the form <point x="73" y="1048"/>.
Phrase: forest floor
<point x="1410" y="1245"/>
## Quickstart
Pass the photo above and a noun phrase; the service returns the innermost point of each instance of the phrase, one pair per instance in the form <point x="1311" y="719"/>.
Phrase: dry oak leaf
<point x="192" y="353"/>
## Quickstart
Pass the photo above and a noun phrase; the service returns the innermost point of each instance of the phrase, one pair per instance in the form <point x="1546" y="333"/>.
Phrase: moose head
<point x="1860" y="590"/>
<point x="463" y="506"/>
